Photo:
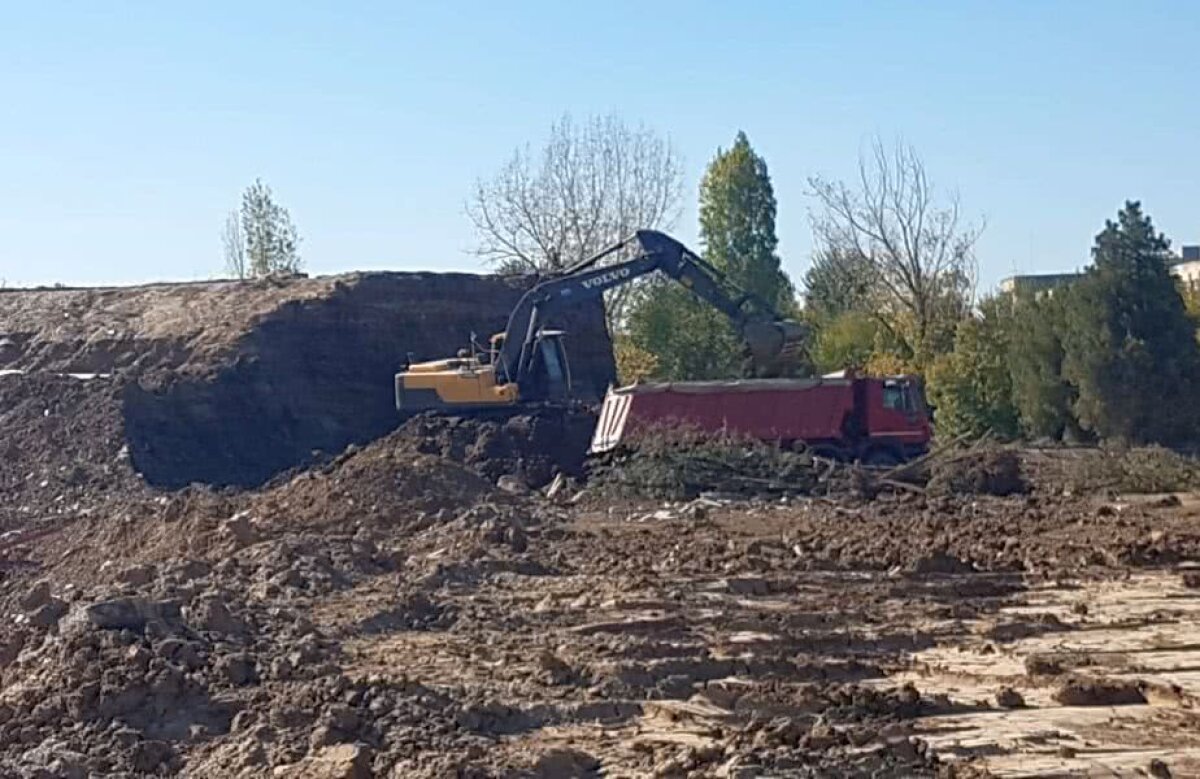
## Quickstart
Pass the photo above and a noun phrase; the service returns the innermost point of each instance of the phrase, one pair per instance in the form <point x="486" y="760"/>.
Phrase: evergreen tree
<point x="737" y="223"/>
<point x="688" y="338"/>
<point x="272" y="241"/>
<point x="1041" y="394"/>
<point x="1130" y="348"/>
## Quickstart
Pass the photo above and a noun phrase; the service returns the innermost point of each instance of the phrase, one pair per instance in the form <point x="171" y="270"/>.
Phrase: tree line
<point x="1112" y="356"/>
<point x="891" y="286"/>
<point x="890" y="289"/>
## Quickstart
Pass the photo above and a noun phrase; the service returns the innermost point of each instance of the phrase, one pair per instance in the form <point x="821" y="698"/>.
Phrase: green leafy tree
<point x="1041" y="394"/>
<point x="1129" y="346"/>
<point x="971" y="387"/>
<point x="846" y="341"/>
<point x="687" y="337"/>
<point x="270" y="238"/>
<point x="737" y="223"/>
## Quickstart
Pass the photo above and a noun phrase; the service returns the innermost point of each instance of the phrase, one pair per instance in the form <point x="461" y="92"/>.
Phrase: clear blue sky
<point x="129" y="129"/>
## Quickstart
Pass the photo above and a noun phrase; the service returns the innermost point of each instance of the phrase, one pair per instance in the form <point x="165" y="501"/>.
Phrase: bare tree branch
<point x="591" y="185"/>
<point x="921" y="259"/>
<point x="234" y="247"/>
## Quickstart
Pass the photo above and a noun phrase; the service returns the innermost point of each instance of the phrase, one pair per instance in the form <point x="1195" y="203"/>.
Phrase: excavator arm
<point x="774" y="345"/>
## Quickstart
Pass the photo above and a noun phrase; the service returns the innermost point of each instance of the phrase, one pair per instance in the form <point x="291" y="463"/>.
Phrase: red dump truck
<point x="876" y="420"/>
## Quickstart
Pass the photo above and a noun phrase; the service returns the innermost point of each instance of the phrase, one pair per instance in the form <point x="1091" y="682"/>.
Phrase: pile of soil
<point x="534" y="446"/>
<point x="1027" y="534"/>
<point x="62" y="451"/>
<point x="988" y="471"/>
<point x="233" y="383"/>
<point x="390" y="481"/>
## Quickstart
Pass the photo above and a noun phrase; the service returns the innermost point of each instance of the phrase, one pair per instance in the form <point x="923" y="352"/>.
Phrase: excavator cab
<point x="550" y="370"/>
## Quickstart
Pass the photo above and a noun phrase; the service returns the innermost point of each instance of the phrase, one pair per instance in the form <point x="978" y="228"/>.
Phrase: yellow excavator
<point x="527" y="363"/>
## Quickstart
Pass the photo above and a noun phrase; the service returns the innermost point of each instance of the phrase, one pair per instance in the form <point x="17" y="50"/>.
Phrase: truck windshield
<point x="893" y="397"/>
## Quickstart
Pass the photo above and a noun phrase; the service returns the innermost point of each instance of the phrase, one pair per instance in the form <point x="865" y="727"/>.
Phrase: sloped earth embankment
<point x="231" y="383"/>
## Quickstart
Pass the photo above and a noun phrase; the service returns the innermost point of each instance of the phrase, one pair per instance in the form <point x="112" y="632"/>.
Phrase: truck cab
<point x="894" y="418"/>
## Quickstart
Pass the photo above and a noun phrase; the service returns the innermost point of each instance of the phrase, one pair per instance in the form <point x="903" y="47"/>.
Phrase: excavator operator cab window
<point x="551" y="367"/>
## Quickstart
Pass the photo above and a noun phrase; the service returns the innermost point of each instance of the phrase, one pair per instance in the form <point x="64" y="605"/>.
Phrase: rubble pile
<point x="62" y="451"/>
<point x="533" y="447"/>
<point x="679" y="464"/>
<point x="988" y="470"/>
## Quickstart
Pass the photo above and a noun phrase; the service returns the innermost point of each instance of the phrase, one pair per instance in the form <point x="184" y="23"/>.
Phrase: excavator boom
<point x="774" y="345"/>
<point x="529" y="365"/>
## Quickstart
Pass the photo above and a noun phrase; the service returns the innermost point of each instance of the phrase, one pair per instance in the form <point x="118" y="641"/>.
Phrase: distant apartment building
<point x="1187" y="270"/>
<point x="1036" y="283"/>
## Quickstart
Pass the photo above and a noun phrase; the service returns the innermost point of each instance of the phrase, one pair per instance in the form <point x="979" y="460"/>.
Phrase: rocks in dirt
<point x="340" y="761"/>
<point x="237" y="669"/>
<point x="137" y="575"/>
<point x="555" y="671"/>
<point x="1159" y="769"/>
<point x="211" y="614"/>
<point x="513" y="485"/>
<point x="1008" y="698"/>
<point x="240" y="529"/>
<point x="565" y="763"/>
<point x="940" y="562"/>
<point x="48" y="614"/>
<point x="1045" y="664"/>
<point x="531" y="447"/>
<point x="1033" y="625"/>
<point x="11" y="645"/>
<point x="1098" y="692"/>
<point x="37" y="596"/>
<point x="128" y="613"/>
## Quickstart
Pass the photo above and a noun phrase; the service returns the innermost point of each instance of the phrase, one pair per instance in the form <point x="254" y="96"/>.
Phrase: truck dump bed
<point x="768" y="409"/>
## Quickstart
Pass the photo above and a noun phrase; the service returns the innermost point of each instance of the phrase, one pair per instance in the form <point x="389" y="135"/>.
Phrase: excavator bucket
<point x="776" y="349"/>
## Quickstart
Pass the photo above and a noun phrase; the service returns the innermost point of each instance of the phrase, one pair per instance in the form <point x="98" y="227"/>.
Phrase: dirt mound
<point x="1043" y="535"/>
<point x="63" y="453"/>
<point x="232" y="383"/>
<point x="678" y="464"/>
<point x="534" y="446"/>
<point x="989" y="471"/>
<point x="389" y="481"/>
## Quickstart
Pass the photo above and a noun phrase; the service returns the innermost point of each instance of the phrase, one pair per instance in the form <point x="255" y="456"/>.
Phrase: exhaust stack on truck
<point x="876" y="420"/>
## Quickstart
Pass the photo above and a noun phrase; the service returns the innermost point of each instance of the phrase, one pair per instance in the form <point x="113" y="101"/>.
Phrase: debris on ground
<point x="460" y="597"/>
<point x="681" y="463"/>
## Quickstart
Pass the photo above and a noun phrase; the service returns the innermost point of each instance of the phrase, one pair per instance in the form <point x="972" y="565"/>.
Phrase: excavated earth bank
<point x="230" y="383"/>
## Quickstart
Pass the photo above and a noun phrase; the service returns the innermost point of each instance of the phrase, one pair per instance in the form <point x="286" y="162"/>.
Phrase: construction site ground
<point x="411" y="607"/>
